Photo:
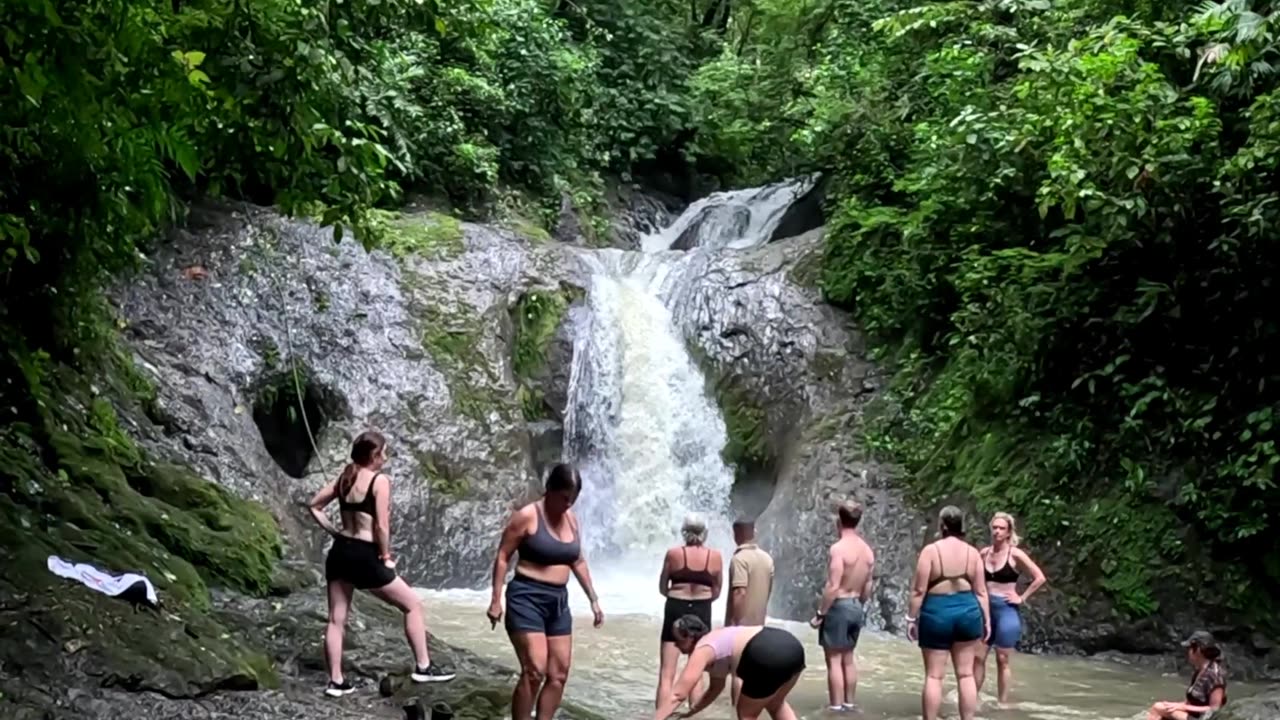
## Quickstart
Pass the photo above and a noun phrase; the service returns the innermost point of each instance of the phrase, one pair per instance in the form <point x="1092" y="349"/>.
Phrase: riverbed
<point x="615" y="667"/>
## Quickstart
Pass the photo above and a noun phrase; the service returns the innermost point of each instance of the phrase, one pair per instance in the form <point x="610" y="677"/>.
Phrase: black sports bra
<point x="366" y="505"/>
<point x="690" y="576"/>
<point x="1006" y="574"/>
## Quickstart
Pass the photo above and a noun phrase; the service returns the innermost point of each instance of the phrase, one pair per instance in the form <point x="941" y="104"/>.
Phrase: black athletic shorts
<point x="356" y="562"/>
<point x="769" y="660"/>
<point x="677" y="608"/>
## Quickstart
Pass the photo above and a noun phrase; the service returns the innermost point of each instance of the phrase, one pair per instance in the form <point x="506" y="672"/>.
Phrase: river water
<point x="615" y="667"/>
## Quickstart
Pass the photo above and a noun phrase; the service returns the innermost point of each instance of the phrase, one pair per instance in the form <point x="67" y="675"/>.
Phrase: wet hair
<point x="1013" y="527"/>
<point x="747" y="526"/>
<point x="694" y="529"/>
<point x="365" y="448"/>
<point x="564" y="478"/>
<point x="850" y="514"/>
<point x="690" y="626"/>
<point x="951" y="521"/>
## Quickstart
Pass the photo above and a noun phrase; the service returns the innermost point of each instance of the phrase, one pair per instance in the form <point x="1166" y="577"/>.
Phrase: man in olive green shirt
<point x="750" y="583"/>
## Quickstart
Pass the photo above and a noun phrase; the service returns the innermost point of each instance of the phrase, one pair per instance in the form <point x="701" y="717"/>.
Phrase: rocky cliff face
<point x="414" y="342"/>
<point x="793" y="380"/>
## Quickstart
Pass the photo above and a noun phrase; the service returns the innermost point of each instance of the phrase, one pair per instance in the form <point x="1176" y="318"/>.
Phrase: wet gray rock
<point x="635" y="212"/>
<point x="57" y="682"/>
<point x="417" y="348"/>
<point x="806" y="214"/>
<point x="1264" y="705"/>
<point x="773" y="347"/>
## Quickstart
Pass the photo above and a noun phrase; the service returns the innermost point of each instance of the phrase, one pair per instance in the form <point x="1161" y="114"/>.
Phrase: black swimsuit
<point x="356" y="561"/>
<point x="677" y="608"/>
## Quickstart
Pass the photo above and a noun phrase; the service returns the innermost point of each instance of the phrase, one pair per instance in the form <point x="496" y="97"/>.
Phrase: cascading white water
<point x="640" y="425"/>
<point x="735" y="219"/>
<point x="643" y="431"/>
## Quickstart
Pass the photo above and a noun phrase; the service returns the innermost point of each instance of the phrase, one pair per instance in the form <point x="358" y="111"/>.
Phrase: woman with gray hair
<point x="691" y="578"/>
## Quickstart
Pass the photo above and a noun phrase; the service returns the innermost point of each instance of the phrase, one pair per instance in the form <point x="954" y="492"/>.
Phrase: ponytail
<point x="347" y="479"/>
<point x="363" y="451"/>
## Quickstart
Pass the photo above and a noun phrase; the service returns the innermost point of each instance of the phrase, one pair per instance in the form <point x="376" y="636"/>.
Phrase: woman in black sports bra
<point x="361" y="558"/>
<point x="690" y="580"/>
<point x="545" y="534"/>
<point x="1003" y="563"/>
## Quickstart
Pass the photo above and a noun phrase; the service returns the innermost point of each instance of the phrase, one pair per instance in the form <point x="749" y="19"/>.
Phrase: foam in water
<point x="733" y="219"/>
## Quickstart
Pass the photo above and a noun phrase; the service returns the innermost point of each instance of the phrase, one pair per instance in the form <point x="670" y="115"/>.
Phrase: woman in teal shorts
<point x="948" y="614"/>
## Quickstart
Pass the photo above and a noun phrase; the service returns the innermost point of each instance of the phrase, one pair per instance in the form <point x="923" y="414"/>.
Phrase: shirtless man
<point x="840" y="613"/>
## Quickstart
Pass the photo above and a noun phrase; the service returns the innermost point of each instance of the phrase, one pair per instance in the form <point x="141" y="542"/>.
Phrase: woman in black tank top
<point x="361" y="558"/>
<point x="537" y="618"/>
<point x="690" y="580"/>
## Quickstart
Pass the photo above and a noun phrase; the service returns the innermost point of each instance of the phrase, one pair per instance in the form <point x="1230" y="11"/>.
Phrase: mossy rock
<point x="429" y="235"/>
<point x="529" y="230"/>
<point x="76" y="485"/>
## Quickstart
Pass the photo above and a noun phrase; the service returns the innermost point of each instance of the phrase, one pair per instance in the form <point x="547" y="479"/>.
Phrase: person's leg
<point x="668" y="663"/>
<point x="1004" y="679"/>
<point x="403" y="597"/>
<point x="750" y="708"/>
<point x="835" y="676"/>
<point x="779" y="708"/>
<point x="935" y="668"/>
<point x="1164" y="711"/>
<point x="850" y="666"/>
<point x="962" y="659"/>
<point x="339" y="606"/>
<point x="980" y="666"/>
<point x="1005" y="638"/>
<point x="531" y="651"/>
<point x="735" y="690"/>
<point x="559" y="657"/>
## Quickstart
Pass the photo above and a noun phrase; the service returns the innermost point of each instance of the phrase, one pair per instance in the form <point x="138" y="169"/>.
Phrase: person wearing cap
<point x="1208" y="689"/>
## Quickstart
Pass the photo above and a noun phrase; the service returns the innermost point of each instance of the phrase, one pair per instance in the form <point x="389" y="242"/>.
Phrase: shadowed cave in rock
<point x="279" y="413"/>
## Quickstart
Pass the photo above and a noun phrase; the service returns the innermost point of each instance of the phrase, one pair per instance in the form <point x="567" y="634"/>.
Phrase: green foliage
<point x="1062" y="223"/>
<point x="536" y="316"/>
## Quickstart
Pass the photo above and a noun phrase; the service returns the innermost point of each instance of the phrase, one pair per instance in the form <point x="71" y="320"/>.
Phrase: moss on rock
<point x="454" y="340"/>
<point x="430" y="235"/>
<point x="537" y="315"/>
<point x="76" y="485"/>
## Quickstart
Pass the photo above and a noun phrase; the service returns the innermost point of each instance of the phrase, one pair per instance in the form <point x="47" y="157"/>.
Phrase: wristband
<point x="911" y="620"/>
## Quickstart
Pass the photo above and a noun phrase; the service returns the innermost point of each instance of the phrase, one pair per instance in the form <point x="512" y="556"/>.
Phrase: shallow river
<point x="615" y="668"/>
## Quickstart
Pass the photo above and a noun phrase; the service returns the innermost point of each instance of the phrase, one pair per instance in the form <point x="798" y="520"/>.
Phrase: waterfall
<point x="640" y="424"/>
<point x="736" y="219"/>
<point x="644" y="433"/>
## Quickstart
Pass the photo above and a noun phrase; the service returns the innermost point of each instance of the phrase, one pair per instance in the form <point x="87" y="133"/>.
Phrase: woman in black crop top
<point x="1003" y="563"/>
<point x="361" y="558"/>
<point x="546" y="536"/>
<point x="690" y="580"/>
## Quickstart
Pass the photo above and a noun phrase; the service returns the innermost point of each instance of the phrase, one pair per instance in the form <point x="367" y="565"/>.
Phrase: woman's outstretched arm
<point x="319" y="502"/>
